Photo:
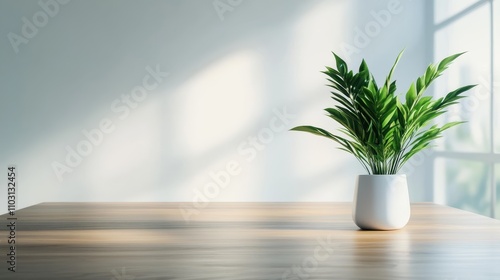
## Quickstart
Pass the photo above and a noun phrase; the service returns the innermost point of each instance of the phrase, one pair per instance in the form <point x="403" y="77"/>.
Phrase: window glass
<point x="465" y="184"/>
<point x="497" y="205"/>
<point x="472" y="68"/>
<point x="496" y="71"/>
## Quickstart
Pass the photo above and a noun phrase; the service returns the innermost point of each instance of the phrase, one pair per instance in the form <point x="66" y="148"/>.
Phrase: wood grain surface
<point x="118" y="241"/>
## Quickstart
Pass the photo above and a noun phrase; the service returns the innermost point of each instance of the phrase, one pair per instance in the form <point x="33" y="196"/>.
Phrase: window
<point x="467" y="159"/>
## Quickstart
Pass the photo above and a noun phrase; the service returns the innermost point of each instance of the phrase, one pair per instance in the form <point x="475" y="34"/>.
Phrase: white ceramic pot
<point x="381" y="202"/>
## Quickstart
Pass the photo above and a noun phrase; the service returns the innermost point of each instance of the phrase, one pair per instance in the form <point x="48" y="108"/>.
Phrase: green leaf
<point x="314" y="130"/>
<point x="430" y="74"/>
<point x="449" y="125"/>
<point x="341" y="65"/>
<point x="411" y="96"/>
<point x="443" y="65"/>
<point x="388" y="118"/>
<point x="454" y="96"/>
<point x="389" y="77"/>
<point x="375" y="126"/>
<point x="363" y="67"/>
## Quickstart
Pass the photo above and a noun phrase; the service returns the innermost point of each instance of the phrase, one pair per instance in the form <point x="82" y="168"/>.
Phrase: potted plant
<point x="383" y="133"/>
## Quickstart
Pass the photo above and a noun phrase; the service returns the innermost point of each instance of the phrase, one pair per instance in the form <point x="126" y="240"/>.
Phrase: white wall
<point x="227" y="76"/>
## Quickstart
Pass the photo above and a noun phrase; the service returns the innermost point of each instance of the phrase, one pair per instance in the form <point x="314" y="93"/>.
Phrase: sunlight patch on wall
<point x="316" y="35"/>
<point x="219" y="103"/>
<point x="309" y="55"/>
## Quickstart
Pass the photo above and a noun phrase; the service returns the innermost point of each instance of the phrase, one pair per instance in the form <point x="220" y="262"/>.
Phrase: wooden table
<point x="251" y="241"/>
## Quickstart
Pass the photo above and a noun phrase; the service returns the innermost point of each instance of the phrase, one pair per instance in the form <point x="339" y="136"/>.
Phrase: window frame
<point x="492" y="157"/>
